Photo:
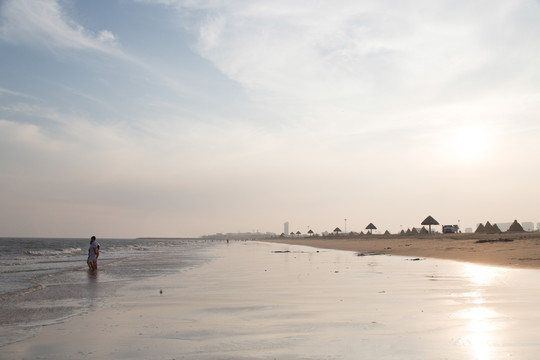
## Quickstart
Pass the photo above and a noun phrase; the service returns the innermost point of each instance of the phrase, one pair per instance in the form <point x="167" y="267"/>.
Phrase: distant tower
<point x="286" y="228"/>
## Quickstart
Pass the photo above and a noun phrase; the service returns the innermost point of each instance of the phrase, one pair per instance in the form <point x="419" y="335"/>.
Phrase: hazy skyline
<point x="128" y="118"/>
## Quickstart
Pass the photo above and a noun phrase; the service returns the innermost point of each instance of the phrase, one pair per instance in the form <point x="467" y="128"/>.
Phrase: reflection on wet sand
<point x="483" y="320"/>
<point x="263" y="301"/>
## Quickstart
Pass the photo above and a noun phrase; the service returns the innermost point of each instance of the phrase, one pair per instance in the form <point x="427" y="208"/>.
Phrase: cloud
<point x="367" y="63"/>
<point x="44" y="23"/>
<point x="8" y="92"/>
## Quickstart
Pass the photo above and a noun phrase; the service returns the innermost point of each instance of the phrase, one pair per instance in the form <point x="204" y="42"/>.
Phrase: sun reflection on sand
<point x="483" y="320"/>
<point x="482" y="324"/>
<point x="482" y="275"/>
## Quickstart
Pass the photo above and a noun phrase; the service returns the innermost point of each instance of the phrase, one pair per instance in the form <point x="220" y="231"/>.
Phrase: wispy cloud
<point x="44" y="23"/>
<point x="9" y="92"/>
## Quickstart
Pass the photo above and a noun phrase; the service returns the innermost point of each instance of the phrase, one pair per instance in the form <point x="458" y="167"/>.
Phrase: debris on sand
<point x="369" y="254"/>
<point x="492" y="241"/>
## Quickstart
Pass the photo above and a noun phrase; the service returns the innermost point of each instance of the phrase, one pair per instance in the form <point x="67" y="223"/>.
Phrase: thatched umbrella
<point x="371" y="227"/>
<point x="298" y="233"/>
<point x="310" y="232"/>
<point x="430" y="221"/>
<point x="480" y="229"/>
<point x="515" y="227"/>
<point x="337" y="230"/>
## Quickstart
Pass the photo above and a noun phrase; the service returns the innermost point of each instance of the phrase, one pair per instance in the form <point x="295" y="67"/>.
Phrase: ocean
<point x="46" y="280"/>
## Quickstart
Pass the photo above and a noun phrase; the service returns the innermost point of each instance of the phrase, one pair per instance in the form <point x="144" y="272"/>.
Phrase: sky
<point x="128" y="118"/>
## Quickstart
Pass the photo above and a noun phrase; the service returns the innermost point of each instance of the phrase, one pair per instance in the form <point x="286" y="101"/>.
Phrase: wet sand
<point x="278" y="301"/>
<point x="515" y="250"/>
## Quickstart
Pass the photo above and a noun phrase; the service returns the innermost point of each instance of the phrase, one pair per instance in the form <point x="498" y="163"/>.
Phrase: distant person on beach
<point x="93" y="254"/>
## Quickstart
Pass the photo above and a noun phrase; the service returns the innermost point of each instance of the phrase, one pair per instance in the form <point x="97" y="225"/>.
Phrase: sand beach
<point x="515" y="250"/>
<point x="259" y="300"/>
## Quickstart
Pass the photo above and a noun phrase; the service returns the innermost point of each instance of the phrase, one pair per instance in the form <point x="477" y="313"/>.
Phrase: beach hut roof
<point x="310" y="231"/>
<point x="488" y="228"/>
<point x="429" y="221"/>
<point x="387" y="232"/>
<point x="480" y="228"/>
<point x="371" y="227"/>
<point x="414" y="231"/>
<point x="337" y="230"/>
<point x="496" y="229"/>
<point x="515" y="227"/>
<point x="423" y="230"/>
<point x="402" y="232"/>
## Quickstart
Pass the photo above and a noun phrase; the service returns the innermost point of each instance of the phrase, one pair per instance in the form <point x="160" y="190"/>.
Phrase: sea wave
<point x="21" y="292"/>
<point x="57" y="252"/>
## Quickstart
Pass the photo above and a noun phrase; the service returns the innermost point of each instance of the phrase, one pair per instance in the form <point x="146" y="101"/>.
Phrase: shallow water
<point x="46" y="280"/>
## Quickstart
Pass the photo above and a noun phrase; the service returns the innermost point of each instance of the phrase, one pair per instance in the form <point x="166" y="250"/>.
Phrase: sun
<point x="470" y="143"/>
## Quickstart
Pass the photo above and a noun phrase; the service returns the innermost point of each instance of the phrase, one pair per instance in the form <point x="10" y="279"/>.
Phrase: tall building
<point x="286" y="228"/>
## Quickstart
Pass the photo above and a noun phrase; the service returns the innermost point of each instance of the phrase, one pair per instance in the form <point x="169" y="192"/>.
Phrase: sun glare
<point x="482" y="275"/>
<point x="470" y="143"/>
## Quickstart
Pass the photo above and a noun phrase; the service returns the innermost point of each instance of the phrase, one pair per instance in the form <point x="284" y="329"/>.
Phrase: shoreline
<point x="512" y="250"/>
<point x="259" y="300"/>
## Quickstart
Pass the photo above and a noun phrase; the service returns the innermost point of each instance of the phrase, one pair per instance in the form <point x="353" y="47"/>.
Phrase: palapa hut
<point x="402" y="232"/>
<point x="491" y="229"/>
<point x="387" y="232"/>
<point x="480" y="229"/>
<point x="515" y="227"/>
<point x="488" y="228"/>
<point x="370" y="228"/>
<point x="414" y="231"/>
<point x="429" y="221"/>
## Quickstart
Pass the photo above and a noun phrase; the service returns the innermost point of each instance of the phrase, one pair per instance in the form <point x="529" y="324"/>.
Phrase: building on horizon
<point x="286" y="228"/>
<point x="527" y="225"/>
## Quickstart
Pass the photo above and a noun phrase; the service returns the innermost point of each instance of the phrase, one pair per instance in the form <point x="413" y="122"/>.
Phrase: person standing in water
<point x="93" y="254"/>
